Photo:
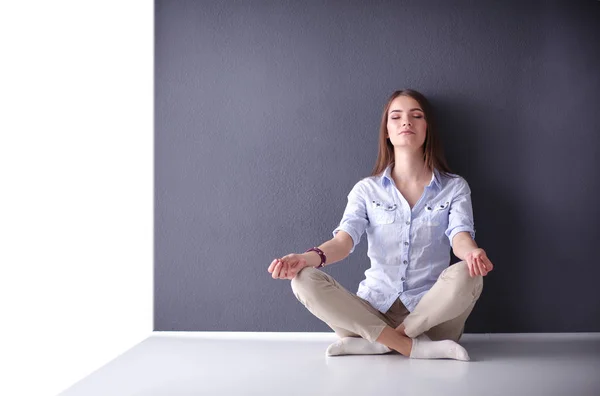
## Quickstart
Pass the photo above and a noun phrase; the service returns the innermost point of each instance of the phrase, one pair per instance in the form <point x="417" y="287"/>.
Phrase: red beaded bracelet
<point x="320" y="252"/>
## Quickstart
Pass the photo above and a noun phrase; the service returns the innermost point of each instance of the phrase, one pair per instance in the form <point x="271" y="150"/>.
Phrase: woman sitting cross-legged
<point x="414" y="210"/>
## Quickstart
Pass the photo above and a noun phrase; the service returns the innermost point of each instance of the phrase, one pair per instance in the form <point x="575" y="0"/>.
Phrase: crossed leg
<point x="441" y="313"/>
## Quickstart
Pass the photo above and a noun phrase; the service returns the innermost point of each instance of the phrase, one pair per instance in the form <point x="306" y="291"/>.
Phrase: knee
<point x="459" y="275"/>
<point x="305" y="280"/>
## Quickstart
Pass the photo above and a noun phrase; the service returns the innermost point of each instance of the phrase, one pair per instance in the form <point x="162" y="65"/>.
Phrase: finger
<point x="482" y="264"/>
<point x="276" y="271"/>
<point x="482" y="269"/>
<point x="280" y="262"/>
<point x="477" y="261"/>
<point x="470" y="266"/>
<point x="486" y="265"/>
<point x="272" y="266"/>
<point x="475" y="266"/>
<point x="284" y="271"/>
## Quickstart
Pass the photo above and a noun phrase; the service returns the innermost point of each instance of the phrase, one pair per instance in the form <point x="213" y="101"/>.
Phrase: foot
<point x="424" y="348"/>
<point x="356" y="346"/>
<point x="400" y="329"/>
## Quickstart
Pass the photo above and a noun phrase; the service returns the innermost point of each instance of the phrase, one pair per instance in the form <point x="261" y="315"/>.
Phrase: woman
<point x="413" y="210"/>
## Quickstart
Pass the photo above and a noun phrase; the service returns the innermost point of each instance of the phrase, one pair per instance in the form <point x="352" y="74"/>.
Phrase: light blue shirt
<point x="408" y="248"/>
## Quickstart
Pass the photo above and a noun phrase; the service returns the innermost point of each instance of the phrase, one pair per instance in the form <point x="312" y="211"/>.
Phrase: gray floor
<point x="295" y="364"/>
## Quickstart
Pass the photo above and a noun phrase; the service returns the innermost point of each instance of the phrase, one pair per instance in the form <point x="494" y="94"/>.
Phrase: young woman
<point x="413" y="210"/>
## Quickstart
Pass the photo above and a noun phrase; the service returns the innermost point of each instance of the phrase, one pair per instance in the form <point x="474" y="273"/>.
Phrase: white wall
<point x="76" y="188"/>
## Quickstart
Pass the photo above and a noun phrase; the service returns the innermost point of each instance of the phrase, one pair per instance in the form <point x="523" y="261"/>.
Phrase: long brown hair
<point x="433" y="152"/>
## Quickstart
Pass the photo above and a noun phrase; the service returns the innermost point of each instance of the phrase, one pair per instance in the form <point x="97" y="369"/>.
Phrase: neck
<point x="410" y="168"/>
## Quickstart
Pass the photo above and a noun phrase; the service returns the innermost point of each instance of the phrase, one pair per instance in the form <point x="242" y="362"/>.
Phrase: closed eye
<point x="415" y="116"/>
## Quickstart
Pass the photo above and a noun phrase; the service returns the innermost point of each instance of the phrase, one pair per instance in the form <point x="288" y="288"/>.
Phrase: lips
<point x="407" y="133"/>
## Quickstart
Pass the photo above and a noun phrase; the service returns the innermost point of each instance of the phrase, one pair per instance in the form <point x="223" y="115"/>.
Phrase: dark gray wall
<point x="267" y="114"/>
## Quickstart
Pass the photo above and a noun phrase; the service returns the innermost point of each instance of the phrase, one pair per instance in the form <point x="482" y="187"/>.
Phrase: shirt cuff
<point x="458" y="229"/>
<point x="352" y="232"/>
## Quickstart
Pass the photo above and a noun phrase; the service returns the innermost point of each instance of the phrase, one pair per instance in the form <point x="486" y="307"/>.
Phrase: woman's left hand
<point x="478" y="262"/>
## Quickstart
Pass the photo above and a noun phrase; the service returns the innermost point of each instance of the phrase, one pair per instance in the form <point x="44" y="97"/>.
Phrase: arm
<point x="461" y="232"/>
<point x="336" y="249"/>
<point x="465" y="248"/>
<point x="462" y="243"/>
<point x="347" y="234"/>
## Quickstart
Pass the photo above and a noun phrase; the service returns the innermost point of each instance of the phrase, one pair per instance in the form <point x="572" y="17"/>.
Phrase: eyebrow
<point x="400" y="111"/>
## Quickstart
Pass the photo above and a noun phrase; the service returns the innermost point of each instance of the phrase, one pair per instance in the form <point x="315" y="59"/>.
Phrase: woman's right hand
<point x="288" y="266"/>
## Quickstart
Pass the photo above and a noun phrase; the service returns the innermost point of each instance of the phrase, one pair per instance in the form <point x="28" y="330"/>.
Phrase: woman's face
<point x="406" y="123"/>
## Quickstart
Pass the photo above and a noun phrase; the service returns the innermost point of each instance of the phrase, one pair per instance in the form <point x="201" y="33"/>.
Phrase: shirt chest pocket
<point x="381" y="212"/>
<point x="437" y="213"/>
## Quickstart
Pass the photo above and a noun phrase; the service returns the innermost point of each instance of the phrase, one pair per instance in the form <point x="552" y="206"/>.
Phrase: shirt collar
<point x="387" y="174"/>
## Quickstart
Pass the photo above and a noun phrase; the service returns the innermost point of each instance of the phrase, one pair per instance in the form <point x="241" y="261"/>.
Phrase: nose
<point x="406" y="122"/>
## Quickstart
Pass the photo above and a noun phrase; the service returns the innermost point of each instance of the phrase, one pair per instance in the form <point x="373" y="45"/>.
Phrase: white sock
<point x="356" y="346"/>
<point x="424" y="348"/>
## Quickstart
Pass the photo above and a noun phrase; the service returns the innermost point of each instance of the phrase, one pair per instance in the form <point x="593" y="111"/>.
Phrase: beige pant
<point x="441" y="313"/>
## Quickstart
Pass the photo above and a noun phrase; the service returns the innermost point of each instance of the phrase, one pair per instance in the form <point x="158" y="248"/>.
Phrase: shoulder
<point x="366" y="186"/>
<point x="454" y="182"/>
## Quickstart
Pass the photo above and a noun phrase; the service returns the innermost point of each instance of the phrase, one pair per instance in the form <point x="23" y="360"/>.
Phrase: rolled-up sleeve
<point x="354" y="220"/>
<point x="460" y="215"/>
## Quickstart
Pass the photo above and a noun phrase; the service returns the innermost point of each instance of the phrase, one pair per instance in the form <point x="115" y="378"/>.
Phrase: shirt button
<point x="408" y="223"/>
<point x="405" y="243"/>
<point x="405" y="262"/>
<point x="402" y="279"/>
